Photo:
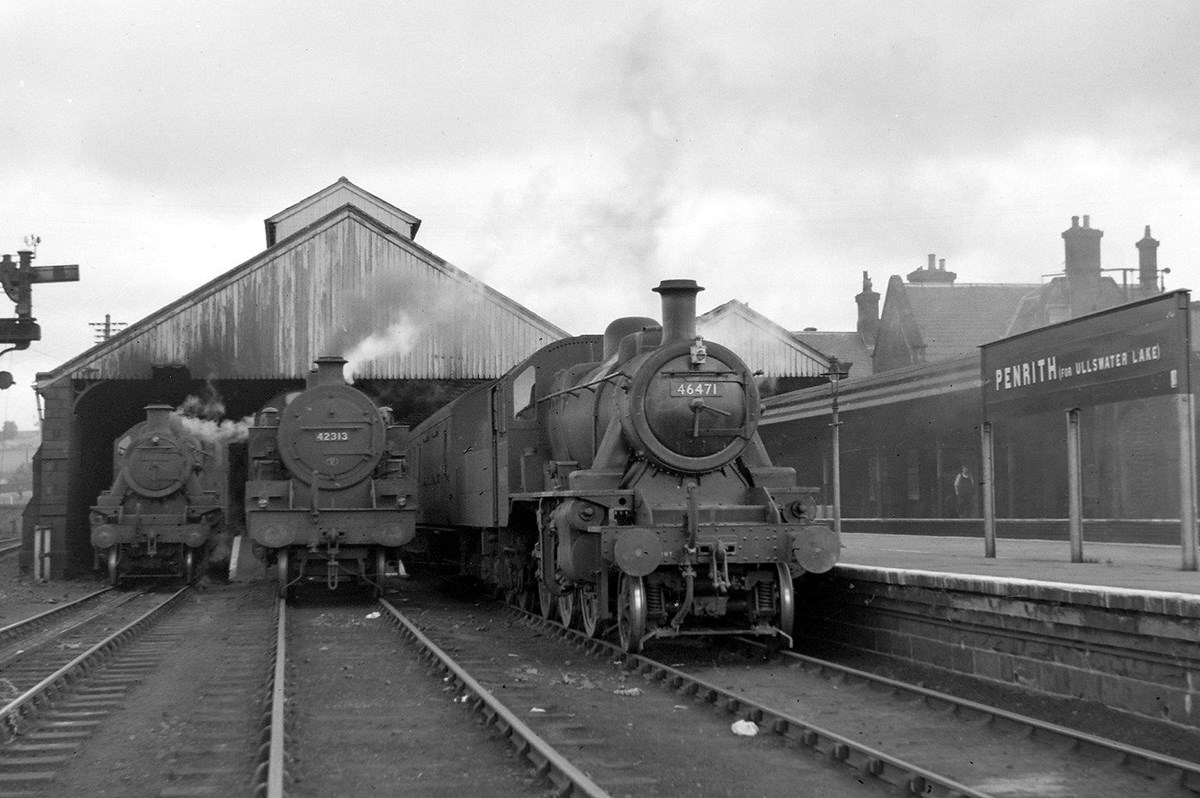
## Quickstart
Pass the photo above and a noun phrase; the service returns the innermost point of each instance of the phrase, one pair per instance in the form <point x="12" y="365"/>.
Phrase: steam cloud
<point x="203" y="416"/>
<point x="390" y="312"/>
<point x="397" y="338"/>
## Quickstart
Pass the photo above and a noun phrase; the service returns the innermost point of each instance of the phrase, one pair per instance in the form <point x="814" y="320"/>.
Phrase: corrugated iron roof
<point x="347" y="284"/>
<point x="341" y="192"/>
<point x="764" y="345"/>
<point x="899" y="385"/>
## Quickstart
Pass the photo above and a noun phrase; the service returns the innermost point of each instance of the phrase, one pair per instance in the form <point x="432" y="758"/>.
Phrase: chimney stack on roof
<point x="868" y="311"/>
<point x="933" y="273"/>
<point x="1082" y="246"/>
<point x="1148" y="263"/>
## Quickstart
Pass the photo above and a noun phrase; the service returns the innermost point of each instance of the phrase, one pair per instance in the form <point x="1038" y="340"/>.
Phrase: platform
<point x="1121" y="628"/>
<point x="1129" y="566"/>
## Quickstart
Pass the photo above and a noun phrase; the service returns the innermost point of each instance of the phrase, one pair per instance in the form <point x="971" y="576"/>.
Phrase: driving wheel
<point x="631" y="612"/>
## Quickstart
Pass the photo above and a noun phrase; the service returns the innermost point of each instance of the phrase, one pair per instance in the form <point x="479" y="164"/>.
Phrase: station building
<point x="341" y="274"/>
<point x="910" y="411"/>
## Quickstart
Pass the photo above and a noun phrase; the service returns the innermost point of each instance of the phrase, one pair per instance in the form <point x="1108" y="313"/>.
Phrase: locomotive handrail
<point x="586" y="385"/>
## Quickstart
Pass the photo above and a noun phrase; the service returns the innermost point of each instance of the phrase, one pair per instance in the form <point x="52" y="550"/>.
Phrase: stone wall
<point x="1134" y="651"/>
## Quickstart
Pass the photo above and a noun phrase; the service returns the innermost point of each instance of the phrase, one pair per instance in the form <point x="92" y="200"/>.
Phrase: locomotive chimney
<point x="678" y="309"/>
<point x="158" y="417"/>
<point x="328" y="371"/>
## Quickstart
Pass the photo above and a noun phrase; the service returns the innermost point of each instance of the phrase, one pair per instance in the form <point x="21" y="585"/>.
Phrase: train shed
<point x="341" y="275"/>
<point x="780" y="360"/>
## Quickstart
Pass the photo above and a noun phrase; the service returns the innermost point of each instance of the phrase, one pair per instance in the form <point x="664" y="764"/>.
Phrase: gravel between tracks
<point x="21" y="597"/>
<point x="632" y="738"/>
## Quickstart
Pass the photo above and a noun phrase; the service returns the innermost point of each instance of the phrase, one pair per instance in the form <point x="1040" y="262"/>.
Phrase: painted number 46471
<point x="696" y="389"/>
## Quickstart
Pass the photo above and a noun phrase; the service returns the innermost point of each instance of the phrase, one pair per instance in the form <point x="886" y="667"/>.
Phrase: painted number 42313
<point x="333" y="436"/>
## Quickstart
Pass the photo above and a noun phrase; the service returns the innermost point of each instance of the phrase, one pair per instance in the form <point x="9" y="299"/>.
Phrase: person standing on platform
<point x="964" y="493"/>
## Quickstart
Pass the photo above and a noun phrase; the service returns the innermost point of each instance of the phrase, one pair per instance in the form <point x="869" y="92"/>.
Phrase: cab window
<point x="522" y="386"/>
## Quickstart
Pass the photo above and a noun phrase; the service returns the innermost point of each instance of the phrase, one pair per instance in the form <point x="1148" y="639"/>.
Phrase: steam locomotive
<point x="622" y="478"/>
<point x="329" y="494"/>
<point x="166" y="503"/>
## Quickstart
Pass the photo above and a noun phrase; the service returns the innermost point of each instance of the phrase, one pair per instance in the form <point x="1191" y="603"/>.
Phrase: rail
<point x="20" y="627"/>
<point x="271" y="775"/>
<point x="12" y="713"/>
<point x="569" y="779"/>
<point x="1187" y="773"/>
<point x="911" y="779"/>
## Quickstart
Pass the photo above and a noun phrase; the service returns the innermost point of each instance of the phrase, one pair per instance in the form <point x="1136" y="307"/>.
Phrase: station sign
<point x="1133" y="351"/>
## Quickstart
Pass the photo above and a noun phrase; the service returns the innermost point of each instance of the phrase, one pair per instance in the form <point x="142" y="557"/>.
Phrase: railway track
<point x="9" y="546"/>
<point x="923" y="741"/>
<point x="168" y="703"/>
<point x="583" y="727"/>
<point x="364" y="716"/>
<point x="56" y="618"/>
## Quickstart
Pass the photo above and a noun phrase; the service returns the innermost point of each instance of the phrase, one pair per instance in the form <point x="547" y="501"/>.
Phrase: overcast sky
<point x="571" y="155"/>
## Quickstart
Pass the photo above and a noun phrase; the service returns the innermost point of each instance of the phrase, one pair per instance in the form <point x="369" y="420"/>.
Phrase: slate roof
<point x="954" y="320"/>
<point x="847" y="347"/>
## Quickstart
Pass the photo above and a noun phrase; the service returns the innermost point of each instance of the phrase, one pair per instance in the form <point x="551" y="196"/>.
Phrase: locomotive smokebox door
<point x="332" y="435"/>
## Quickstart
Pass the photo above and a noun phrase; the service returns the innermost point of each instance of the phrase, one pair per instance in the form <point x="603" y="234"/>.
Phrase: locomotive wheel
<point x="114" y="558"/>
<point x="281" y="573"/>
<point x="566" y="609"/>
<point x="589" y="608"/>
<point x="189" y="565"/>
<point x="631" y="612"/>
<point x="546" y="603"/>
<point x="380" y="569"/>
<point x="787" y="597"/>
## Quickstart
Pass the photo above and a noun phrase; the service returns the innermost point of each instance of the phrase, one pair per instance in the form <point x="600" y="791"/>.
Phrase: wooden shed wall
<point x="346" y="284"/>
<point x="301" y="215"/>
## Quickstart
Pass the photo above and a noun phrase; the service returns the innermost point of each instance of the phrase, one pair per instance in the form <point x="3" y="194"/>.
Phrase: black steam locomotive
<point x="166" y="503"/>
<point x="329" y="494"/>
<point x="622" y="478"/>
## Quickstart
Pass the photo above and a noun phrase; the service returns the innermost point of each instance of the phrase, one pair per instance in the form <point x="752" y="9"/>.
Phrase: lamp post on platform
<point x="836" y="375"/>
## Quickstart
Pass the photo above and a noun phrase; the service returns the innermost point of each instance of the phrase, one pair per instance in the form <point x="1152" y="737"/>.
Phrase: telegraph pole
<point x="106" y="329"/>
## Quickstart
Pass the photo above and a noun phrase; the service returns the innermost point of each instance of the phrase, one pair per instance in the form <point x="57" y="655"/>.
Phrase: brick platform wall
<point x="1095" y="530"/>
<point x="1138" y="652"/>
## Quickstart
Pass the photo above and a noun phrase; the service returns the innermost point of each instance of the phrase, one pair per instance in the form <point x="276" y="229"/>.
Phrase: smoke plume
<point x="397" y="338"/>
<point x="203" y="415"/>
